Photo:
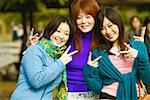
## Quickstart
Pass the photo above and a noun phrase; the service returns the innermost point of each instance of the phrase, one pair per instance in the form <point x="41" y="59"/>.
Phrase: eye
<point x="88" y="16"/>
<point x="58" y="31"/>
<point x="79" y="17"/>
<point x="102" y="28"/>
<point x="67" y="34"/>
<point x="110" y="25"/>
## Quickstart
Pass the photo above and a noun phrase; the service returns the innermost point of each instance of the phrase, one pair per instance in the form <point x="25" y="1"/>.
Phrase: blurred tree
<point x="56" y="3"/>
<point x="26" y="8"/>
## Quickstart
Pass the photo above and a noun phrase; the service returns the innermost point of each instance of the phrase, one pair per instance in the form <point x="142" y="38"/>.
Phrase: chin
<point x="86" y="31"/>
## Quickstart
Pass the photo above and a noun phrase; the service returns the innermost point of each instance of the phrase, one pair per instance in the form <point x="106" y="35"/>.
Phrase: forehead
<point x="136" y="19"/>
<point x="64" y="26"/>
<point x="82" y="12"/>
<point x="106" y="21"/>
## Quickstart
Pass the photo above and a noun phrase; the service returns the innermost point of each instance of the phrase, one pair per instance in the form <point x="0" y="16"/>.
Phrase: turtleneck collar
<point x="86" y="35"/>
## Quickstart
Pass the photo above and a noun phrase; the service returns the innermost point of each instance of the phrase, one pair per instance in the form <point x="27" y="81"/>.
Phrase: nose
<point x="61" y="35"/>
<point x="84" y="20"/>
<point x="108" y="30"/>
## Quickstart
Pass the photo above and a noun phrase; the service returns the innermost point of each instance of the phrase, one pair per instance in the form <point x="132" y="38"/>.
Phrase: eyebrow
<point x="109" y="23"/>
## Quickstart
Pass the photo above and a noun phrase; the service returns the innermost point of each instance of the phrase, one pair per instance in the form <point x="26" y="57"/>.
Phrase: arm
<point x="40" y="70"/>
<point x="143" y="62"/>
<point x="92" y="78"/>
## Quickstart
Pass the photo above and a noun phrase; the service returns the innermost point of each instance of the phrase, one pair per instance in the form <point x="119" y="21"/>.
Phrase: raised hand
<point x="129" y="52"/>
<point x="93" y="63"/>
<point x="140" y="38"/>
<point x="67" y="57"/>
<point x="33" y="39"/>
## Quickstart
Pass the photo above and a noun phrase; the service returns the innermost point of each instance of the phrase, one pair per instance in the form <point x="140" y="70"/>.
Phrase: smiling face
<point x="61" y="35"/>
<point x="110" y="31"/>
<point x="85" y="22"/>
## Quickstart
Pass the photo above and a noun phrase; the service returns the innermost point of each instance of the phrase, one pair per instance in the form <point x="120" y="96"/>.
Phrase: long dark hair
<point x="113" y="16"/>
<point x="53" y="25"/>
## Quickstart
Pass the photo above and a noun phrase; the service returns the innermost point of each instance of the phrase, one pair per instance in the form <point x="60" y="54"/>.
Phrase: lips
<point x="110" y="36"/>
<point x="84" y="27"/>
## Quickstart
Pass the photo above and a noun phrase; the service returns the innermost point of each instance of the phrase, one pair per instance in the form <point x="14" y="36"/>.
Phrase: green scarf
<point x="52" y="50"/>
<point x="55" y="52"/>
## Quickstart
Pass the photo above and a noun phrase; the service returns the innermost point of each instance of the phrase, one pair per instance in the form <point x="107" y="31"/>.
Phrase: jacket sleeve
<point x="39" y="70"/>
<point x="143" y="62"/>
<point x="92" y="78"/>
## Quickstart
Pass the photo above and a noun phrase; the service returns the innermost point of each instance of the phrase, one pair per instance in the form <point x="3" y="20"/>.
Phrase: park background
<point x="37" y="13"/>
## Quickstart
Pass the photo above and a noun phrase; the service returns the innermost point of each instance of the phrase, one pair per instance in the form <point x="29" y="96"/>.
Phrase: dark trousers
<point x="107" y="96"/>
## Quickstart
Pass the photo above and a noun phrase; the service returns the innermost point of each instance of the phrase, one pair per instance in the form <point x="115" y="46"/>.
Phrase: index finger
<point x="67" y="50"/>
<point x="31" y="32"/>
<point x="136" y="37"/>
<point x="127" y="45"/>
<point x="90" y="56"/>
<point x="95" y="60"/>
<point x="72" y="53"/>
<point x="124" y="52"/>
<point x="41" y="35"/>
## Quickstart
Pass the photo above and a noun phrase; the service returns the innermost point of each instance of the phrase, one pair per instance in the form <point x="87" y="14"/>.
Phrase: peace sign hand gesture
<point x="93" y="63"/>
<point x="140" y="38"/>
<point x="33" y="39"/>
<point x="130" y="52"/>
<point x="67" y="57"/>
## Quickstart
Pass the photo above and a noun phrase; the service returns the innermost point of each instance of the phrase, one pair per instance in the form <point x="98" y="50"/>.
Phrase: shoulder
<point x="96" y="52"/>
<point x="134" y="43"/>
<point x="34" y="49"/>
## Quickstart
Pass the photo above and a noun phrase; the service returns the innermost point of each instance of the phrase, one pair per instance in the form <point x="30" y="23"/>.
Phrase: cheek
<point x="67" y="37"/>
<point x="103" y="32"/>
<point x="116" y="29"/>
<point x="52" y="37"/>
<point x="78" y="21"/>
<point x="92" y="21"/>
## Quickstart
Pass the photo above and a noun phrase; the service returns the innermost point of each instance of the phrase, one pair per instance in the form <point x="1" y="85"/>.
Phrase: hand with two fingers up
<point x="130" y="52"/>
<point x="94" y="62"/>
<point x="141" y="38"/>
<point x="33" y="39"/>
<point x="67" y="57"/>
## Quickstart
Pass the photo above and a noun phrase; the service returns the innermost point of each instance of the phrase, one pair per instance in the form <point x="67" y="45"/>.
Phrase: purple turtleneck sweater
<point x="75" y="80"/>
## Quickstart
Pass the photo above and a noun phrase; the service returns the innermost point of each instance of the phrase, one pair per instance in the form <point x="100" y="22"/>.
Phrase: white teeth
<point x="84" y="26"/>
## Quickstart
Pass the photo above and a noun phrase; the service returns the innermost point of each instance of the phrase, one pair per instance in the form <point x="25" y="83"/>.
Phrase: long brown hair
<point x="90" y="7"/>
<point x="113" y="16"/>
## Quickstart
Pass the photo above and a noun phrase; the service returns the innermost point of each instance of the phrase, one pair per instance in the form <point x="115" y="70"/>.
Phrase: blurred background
<point x="17" y="17"/>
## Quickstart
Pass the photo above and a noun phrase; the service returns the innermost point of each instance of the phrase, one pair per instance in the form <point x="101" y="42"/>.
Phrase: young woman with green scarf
<point x="43" y="64"/>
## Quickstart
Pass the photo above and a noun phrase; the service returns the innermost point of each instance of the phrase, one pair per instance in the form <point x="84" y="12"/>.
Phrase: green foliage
<point x="43" y="14"/>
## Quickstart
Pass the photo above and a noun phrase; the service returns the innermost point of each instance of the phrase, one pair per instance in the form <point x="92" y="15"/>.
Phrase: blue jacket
<point x="106" y="73"/>
<point x="39" y="75"/>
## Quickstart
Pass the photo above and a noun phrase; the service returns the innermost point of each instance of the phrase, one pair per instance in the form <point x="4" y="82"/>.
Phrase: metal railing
<point x="9" y="53"/>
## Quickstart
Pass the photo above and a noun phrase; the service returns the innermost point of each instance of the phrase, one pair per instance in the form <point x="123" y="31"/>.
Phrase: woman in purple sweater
<point x="83" y="13"/>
